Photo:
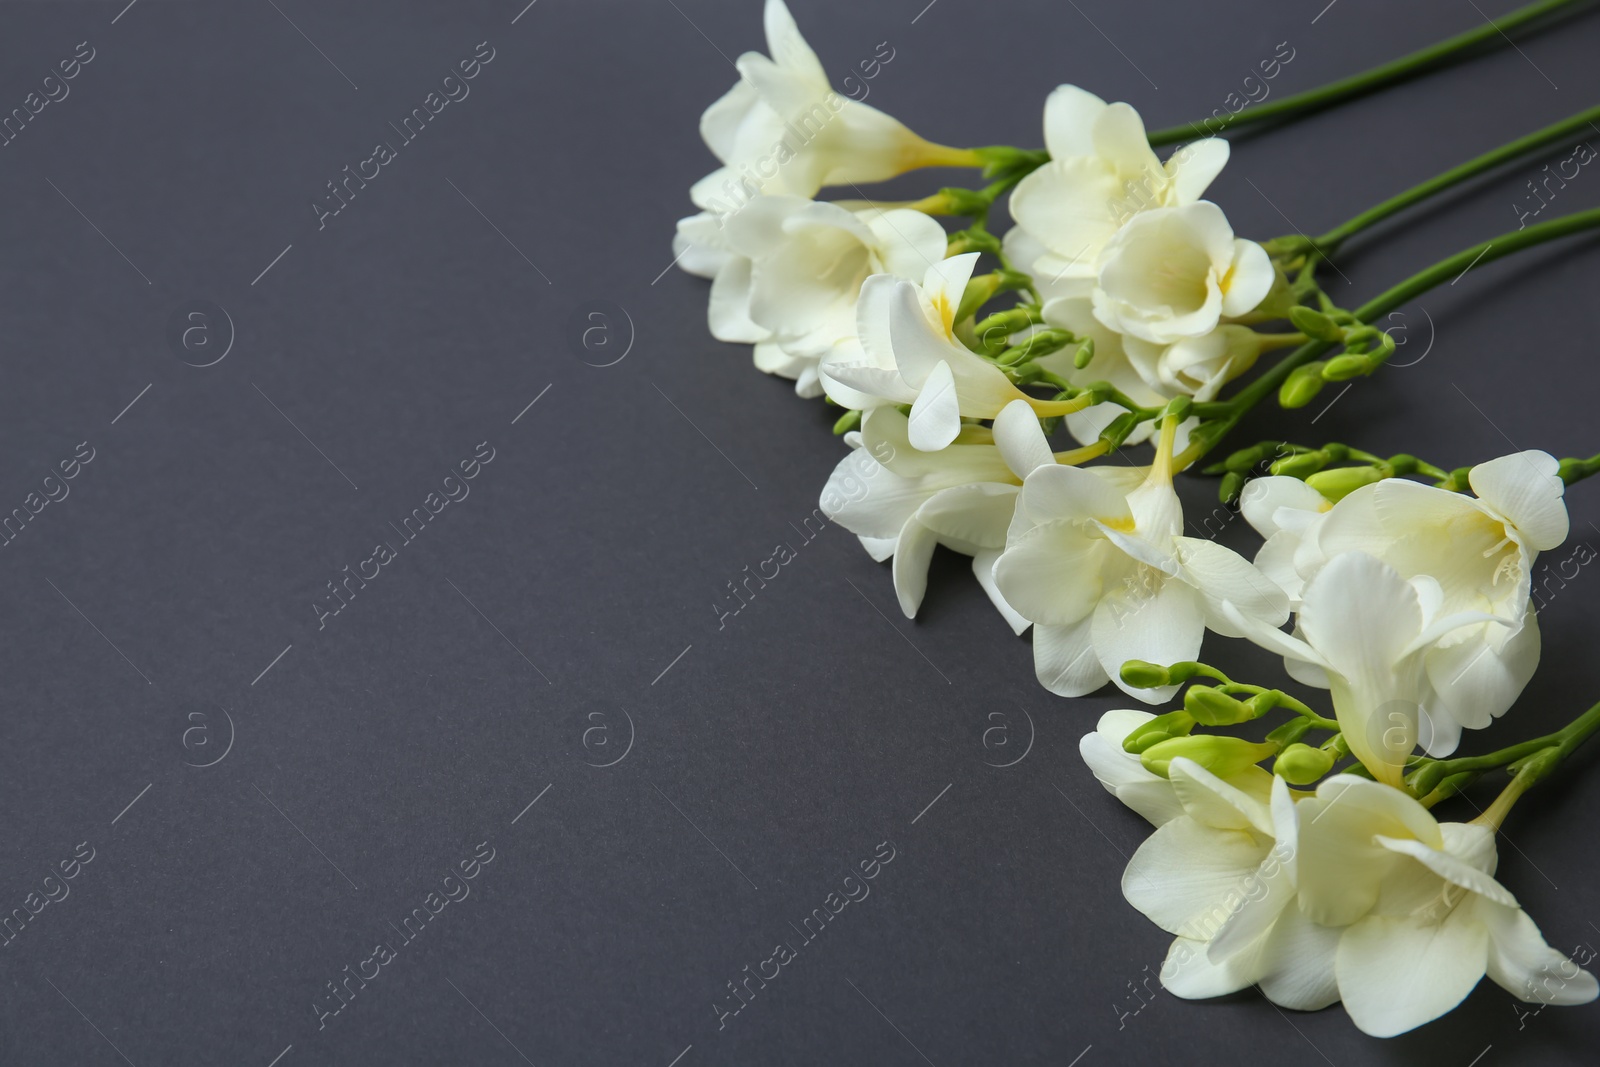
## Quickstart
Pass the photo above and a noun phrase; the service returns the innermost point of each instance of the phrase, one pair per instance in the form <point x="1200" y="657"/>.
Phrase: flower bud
<point x="1426" y="778"/>
<point x="1340" y="482"/>
<point x="1213" y="707"/>
<point x="1142" y="675"/>
<point x="1314" y="323"/>
<point x="1161" y="728"/>
<point x="1222" y="756"/>
<point x="1084" y="355"/>
<point x="1301" y="387"/>
<point x="1302" y="764"/>
<point x="1343" y="368"/>
<point x="1232" y="485"/>
<point x="1300" y="465"/>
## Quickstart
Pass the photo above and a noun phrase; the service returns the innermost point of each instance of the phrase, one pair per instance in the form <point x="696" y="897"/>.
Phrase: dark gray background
<point x="377" y="752"/>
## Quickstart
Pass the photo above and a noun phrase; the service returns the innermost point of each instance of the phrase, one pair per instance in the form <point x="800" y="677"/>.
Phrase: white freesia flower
<point x="911" y="355"/>
<point x="1218" y="877"/>
<point x="1126" y="778"/>
<point x="807" y="260"/>
<point x="1478" y="551"/>
<point x="1368" y="630"/>
<point x="1355" y="894"/>
<point x="1172" y="274"/>
<point x="903" y="502"/>
<point x="782" y="129"/>
<point x="1101" y="173"/>
<point x="1428" y="918"/>
<point x="1097" y="564"/>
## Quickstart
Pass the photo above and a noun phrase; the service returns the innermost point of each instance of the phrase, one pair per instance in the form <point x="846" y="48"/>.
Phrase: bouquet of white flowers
<point x="1118" y="309"/>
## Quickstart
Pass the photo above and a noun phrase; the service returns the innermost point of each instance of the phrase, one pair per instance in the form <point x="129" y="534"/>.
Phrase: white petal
<point x="1223" y="575"/>
<point x="908" y="241"/>
<point x="728" y="314"/>
<point x="1059" y="492"/>
<point x="1360" y="616"/>
<point x="1064" y="660"/>
<point x="1021" y="440"/>
<point x="1163" y="625"/>
<point x="1478" y="682"/>
<point x="1249" y="278"/>
<point x="1396" y="974"/>
<point x="936" y="415"/>
<point x="970" y="518"/>
<point x="1195" y="166"/>
<point x="983" y="568"/>
<point x="1069" y="115"/>
<point x="1450" y="868"/>
<point x="1298" y="962"/>
<point x="1262" y="498"/>
<point x="1521" y="963"/>
<point x="788" y="48"/>
<point x="1188" y="878"/>
<point x="1190" y="974"/>
<point x="1214" y="802"/>
<point x="1051" y="574"/>
<point x="1123" y="776"/>
<point x="1525" y="488"/>
<point x="911" y="556"/>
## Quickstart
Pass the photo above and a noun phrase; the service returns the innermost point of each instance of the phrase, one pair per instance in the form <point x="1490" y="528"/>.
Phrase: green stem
<point x="1395" y="70"/>
<point x="1552" y="134"/>
<point x="1564" y="741"/>
<point x="1576" y="470"/>
<point x="1451" y="267"/>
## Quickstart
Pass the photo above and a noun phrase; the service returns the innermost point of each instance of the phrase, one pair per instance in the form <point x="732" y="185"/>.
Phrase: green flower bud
<point x="1213" y="707"/>
<point x="1289" y="732"/>
<point x="1143" y="675"/>
<point x="1340" y="482"/>
<point x="1301" y="465"/>
<point x="847" y="422"/>
<point x="1119" y="428"/>
<point x="1343" y="368"/>
<point x="1314" y="323"/>
<point x="1233" y="484"/>
<point x="1222" y="756"/>
<point x="1302" y="764"/>
<point x="1084" y="355"/>
<point x="1426" y="778"/>
<point x="1301" y="387"/>
<point x="1173" y="724"/>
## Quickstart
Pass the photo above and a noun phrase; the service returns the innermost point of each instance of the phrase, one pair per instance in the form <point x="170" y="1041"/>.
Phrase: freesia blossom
<point x="1478" y="551"/>
<point x="1363" y="897"/>
<point x="782" y="129"/>
<point x="1172" y="274"/>
<point x="1368" y="630"/>
<point x="1101" y="173"/>
<point x="903" y="502"/>
<point x="1126" y="778"/>
<point x="1095" y="560"/>
<point x="911" y="355"/>
<point x="1218" y="876"/>
<point x="807" y="260"/>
